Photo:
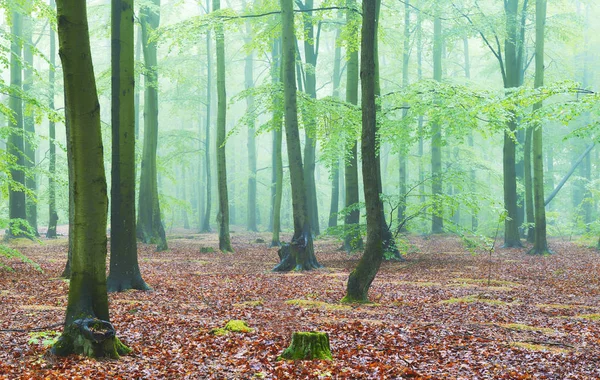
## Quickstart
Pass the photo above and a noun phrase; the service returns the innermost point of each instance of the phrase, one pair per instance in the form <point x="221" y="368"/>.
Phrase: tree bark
<point x="363" y="275"/>
<point x="352" y="236"/>
<point x="402" y="156"/>
<point x="149" y="226"/>
<point x="251" y="224"/>
<point x="223" y="214"/>
<point x="124" y="268"/>
<point x="207" y="151"/>
<point x="277" y="160"/>
<point x="437" y="220"/>
<point x="335" y="178"/>
<point x="52" y="214"/>
<point x="302" y="256"/>
<point x="15" y="146"/>
<point x="87" y="291"/>
<point x="540" y="245"/>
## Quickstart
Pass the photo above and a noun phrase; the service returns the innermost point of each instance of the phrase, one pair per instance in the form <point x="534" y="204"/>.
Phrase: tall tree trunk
<point x="352" y="236"/>
<point x="437" y="220"/>
<point x="251" y="143"/>
<point x="124" y="269"/>
<point x="16" y="200"/>
<point x="223" y="214"/>
<point x="29" y="127"/>
<point x="420" y="145"/>
<point x="138" y="81"/>
<point x="149" y="226"/>
<point x="527" y="162"/>
<point x="277" y="160"/>
<point x="52" y="214"/>
<point x="310" y="58"/>
<point x="471" y="140"/>
<point x="402" y="156"/>
<point x="184" y="213"/>
<point x="87" y="290"/>
<point x="363" y="275"/>
<point x="207" y="151"/>
<point x="540" y="245"/>
<point x="335" y="177"/>
<point x="301" y="255"/>
<point x="511" y="80"/>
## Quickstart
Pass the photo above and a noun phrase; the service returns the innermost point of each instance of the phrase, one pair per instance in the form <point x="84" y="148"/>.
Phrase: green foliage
<point x="46" y="338"/>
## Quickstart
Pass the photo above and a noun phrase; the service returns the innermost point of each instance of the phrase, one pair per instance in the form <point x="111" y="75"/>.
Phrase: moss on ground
<point x="312" y="304"/>
<point x="234" y="325"/>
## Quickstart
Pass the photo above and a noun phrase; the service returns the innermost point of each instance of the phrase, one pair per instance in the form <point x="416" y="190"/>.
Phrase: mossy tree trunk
<point x="277" y="159"/>
<point x="302" y="255"/>
<point x="149" y="225"/>
<point x="87" y="290"/>
<point x="52" y="214"/>
<point x="124" y="268"/>
<point x="540" y="244"/>
<point x="362" y="276"/>
<point x="223" y="214"/>
<point x="29" y="127"/>
<point x="16" y="197"/>
<point x="352" y="236"/>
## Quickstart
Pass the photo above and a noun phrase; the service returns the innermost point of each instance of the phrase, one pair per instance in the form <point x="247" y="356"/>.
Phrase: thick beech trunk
<point x="87" y="290"/>
<point x="124" y="269"/>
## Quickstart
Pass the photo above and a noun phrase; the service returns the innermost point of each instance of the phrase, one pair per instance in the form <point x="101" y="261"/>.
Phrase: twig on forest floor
<point x="40" y="328"/>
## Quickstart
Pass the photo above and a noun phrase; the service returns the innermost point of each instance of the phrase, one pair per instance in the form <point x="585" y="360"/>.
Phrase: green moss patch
<point x="538" y="347"/>
<point x="234" y="325"/>
<point x="485" y="282"/>
<point x="312" y="304"/>
<point x="249" y="303"/>
<point x="477" y="298"/>
<point x="415" y="283"/>
<point x="591" y="317"/>
<point x="523" y="327"/>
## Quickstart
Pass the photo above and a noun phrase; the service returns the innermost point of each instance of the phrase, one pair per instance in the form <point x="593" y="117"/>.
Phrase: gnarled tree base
<point x="90" y="337"/>
<point x="298" y="255"/>
<point x="543" y="252"/>
<point x="308" y="346"/>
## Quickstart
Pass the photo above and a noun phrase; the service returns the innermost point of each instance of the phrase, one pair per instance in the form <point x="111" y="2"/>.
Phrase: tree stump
<point x="308" y="346"/>
<point x="90" y="337"/>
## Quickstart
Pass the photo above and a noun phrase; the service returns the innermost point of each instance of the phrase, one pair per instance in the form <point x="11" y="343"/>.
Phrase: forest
<point x="299" y="189"/>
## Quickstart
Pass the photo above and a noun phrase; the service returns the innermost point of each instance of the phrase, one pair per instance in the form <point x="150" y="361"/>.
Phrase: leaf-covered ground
<point x="441" y="314"/>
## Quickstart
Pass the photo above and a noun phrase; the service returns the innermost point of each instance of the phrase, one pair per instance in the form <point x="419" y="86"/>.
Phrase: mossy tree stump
<point x="91" y="337"/>
<point x="308" y="346"/>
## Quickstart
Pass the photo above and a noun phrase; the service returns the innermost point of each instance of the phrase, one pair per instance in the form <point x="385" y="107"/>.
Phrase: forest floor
<point x="444" y="313"/>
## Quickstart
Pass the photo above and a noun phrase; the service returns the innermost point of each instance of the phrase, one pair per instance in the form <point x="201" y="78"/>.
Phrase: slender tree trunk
<point x="277" y="161"/>
<point x="437" y="220"/>
<point x="301" y="254"/>
<point x="207" y="152"/>
<point x="511" y="80"/>
<point x="540" y="245"/>
<point x="251" y="143"/>
<point x="310" y="57"/>
<point x="335" y="177"/>
<point x="184" y="213"/>
<point x="29" y="127"/>
<point x="420" y="145"/>
<point x="527" y="162"/>
<point x="52" y="214"/>
<point x="471" y="140"/>
<point x="352" y="236"/>
<point x="402" y="156"/>
<point x="363" y="275"/>
<point x="223" y="214"/>
<point x="87" y="289"/>
<point x="16" y="200"/>
<point x="149" y="226"/>
<point x="138" y="81"/>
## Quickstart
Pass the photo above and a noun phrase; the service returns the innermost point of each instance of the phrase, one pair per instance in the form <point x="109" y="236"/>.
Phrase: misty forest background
<point x="443" y="118"/>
